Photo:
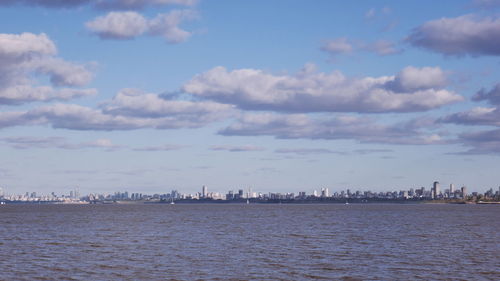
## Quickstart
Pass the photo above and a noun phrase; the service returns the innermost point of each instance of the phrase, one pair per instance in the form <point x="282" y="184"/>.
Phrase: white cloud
<point x="308" y="151"/>
<point x="13" y="46"/>
<point x="102" y="143"/>
<point x="63" y="73"/>
<point x="101" y="4"/>
<point x="481" y="142"/>
<point x="413" y="79"/>
<point x="165" y="147"/>
<point x="128" y="110"/>
<point x="311" y="91"/>
<point x="26" y="55"/>
<point x="464" y="35"/>
<point x="344" y="46"/>
<point x="134" y="102"/>
<point x="383" y="48"/>
<point x="118" y="25"/>
<point x="140" y="4"/>
<point x="482" y="116"/>
<point x="299" y="126"/>
<point x="26" y="93"/>
<point x="167" y="25"/>
<point x="337" y="46"/>
<point x="26" y="142"/>
<point x="236" y="148"/>
<point x="128" y="25"/>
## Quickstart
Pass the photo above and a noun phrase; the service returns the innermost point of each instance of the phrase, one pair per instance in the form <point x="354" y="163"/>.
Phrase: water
<point x="250" y="242"/>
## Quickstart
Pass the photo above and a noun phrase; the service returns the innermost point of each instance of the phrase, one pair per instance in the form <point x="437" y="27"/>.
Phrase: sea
<point x="250" y="242"/>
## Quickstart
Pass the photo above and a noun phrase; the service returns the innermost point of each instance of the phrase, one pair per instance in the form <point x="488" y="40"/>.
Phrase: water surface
<point x="250" y="242"/>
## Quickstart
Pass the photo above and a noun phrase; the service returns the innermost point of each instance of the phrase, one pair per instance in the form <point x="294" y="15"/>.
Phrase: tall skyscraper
<point x="435" y="190"/>
<point x="204" y="191"/>
<point x="325" y="192"/>
<point x="464" y="192"/>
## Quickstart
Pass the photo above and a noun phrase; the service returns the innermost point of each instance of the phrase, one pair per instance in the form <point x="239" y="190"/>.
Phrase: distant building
<point x="435" y="190"/>
<point x="204" y="191"/>
<point x="464" y="192"/>
<point x="174" y="194"/>
<point x="325" y="192"/>
<point x="405" y="194"/>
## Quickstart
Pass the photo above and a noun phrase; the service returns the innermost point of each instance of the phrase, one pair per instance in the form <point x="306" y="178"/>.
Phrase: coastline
<point x="257" y="201"/>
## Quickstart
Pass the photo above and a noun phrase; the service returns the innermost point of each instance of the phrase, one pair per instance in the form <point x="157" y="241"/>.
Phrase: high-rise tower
<point x="204" y="191"/>
<point x="435" y="190"/>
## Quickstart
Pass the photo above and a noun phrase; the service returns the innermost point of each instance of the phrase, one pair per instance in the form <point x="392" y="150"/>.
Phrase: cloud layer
<point x="464" y="35"/>
<point x="128" y="25"/>
<point x="363" y="129"/>
<point x="343" y="45"/>
<point x="101" y="4"/>
<point x="411" y="90"/>
<point x="484" y="141"/>
<point x="136" y="103"/>
<point x="308" y="151"/>
<point x="479" y="115"/>
<point x="236" y="148"/>
<point x="337" y="46"/>
<point x="128" y="110"/>
<point x="26" y="56"/>
<point x="55" y="142"/>
<point x="139" y="4"/>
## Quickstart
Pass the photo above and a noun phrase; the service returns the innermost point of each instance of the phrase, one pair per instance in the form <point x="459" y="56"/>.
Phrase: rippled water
<point x="242" y="242"/>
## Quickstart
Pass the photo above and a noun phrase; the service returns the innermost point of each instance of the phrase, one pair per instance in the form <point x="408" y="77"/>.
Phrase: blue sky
<point x="284" y="96"/>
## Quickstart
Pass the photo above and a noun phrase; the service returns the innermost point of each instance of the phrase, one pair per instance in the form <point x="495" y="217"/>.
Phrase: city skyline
<point x="284" y="96"/>
<point x="412" y="193"/>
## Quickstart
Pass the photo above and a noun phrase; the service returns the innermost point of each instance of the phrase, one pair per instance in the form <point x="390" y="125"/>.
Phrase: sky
<point x="279" y="96"/>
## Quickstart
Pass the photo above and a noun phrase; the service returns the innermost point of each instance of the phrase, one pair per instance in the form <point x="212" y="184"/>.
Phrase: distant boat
<point x="172" y="202"/>
<point x="347" y="203"/>
<point x="248" y="202"/>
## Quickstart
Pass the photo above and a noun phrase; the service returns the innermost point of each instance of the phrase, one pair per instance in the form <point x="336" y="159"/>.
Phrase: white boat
<point x="248" y="202"/>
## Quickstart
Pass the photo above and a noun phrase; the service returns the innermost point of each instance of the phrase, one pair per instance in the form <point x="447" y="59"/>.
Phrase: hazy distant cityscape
<point x="435" y="193"/>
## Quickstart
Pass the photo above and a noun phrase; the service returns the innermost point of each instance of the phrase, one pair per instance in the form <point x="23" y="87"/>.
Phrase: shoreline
<point x="254" y="202"/>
